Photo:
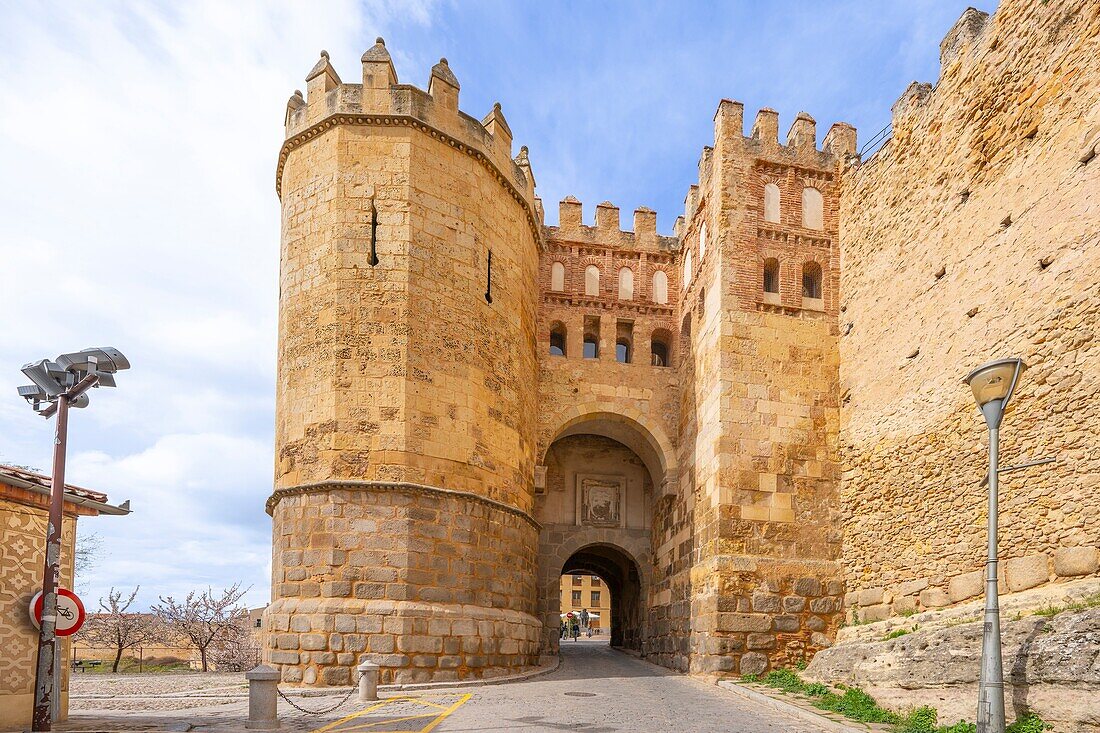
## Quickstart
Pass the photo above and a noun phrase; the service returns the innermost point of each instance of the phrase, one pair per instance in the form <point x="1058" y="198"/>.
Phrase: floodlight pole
<point x="47" y="678"/>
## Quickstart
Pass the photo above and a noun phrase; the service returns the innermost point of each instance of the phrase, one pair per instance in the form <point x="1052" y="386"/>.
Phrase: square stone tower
<point x="759" y="269"/>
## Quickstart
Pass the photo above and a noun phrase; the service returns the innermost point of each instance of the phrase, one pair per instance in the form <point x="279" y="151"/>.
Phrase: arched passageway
<point x="620" y="574"/>
<point x="596" y="514"/>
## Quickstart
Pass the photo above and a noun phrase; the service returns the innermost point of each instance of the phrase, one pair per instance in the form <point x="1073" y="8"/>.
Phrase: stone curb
<point x="537" y="672"/>
<point x="790" y="708"/>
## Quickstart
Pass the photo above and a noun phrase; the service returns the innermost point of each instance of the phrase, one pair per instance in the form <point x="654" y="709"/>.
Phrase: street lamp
<point x="59" y="385"/>
<point x="993" y="385"/>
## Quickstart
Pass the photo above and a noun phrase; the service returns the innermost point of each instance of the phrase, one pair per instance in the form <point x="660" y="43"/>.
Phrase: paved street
<point x="595" y="690"/>
<point x="599" y="690"/>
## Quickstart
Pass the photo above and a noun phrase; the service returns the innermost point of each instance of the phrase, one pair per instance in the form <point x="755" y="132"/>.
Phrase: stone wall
<point x="434" y="585"/>
<point x="23" y="528"/>
<point x="972" y="235"/>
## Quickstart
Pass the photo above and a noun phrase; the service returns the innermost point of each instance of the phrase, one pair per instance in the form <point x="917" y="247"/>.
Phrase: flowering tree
<point x="115" y="627"/>
<point x="203" y="618"/>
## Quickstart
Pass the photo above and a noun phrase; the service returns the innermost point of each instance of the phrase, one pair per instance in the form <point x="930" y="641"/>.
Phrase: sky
<point x="138" y="144"/>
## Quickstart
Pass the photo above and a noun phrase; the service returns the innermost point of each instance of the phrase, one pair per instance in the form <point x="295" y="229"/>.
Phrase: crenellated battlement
<point x="607" y="231"/>
<point x="380" y="100"/>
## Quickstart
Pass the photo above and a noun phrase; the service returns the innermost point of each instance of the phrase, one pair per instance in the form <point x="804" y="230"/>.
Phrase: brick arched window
<point x="660" y="287"/>
<point x="592" y="280"/>
<point x="626" y="284"/>
<point x="557" y="277"/>
<point x="811" y="280"/>
<point x="771" y="275"/>
<point x="771" y="202"/>
<point x="812" y="208"/>
<point x="687" y="268"/>
<point x="660" y="348"/>
<point x="557" y="339"/>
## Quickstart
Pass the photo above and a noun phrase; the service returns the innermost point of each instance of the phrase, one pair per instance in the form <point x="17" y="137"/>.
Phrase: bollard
<point x="368" y="680"/>
<point x="263" y="698"/>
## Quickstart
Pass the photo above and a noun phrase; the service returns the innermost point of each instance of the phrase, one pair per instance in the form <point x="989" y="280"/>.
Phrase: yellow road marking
<point x="437" y="718"/>
<point x="459" y="703"/>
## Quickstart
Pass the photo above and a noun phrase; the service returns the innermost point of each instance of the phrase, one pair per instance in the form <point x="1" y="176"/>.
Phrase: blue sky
<point x="138" y="149"/>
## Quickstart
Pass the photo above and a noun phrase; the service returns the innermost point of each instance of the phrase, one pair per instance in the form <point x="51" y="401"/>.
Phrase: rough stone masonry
<point x="748" y="429"/>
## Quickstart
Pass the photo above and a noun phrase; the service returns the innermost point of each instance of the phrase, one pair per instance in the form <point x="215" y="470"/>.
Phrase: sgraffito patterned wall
<point x="22" y="536"/>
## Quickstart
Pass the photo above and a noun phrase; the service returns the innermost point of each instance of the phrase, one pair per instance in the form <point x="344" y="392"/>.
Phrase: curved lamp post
<point x="993" y="385"/>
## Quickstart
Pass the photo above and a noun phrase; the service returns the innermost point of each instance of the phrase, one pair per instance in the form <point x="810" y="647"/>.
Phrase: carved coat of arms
<point x="601" y="501"/>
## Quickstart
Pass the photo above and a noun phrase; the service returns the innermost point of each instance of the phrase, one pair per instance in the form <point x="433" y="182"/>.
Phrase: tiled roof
<point x="43" y="481"/>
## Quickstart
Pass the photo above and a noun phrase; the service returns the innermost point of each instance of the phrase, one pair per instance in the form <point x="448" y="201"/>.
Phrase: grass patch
<point x="154" y="665"/>
<point x="855" y="704"/>
<point x="1090" y="601"/>
<point x="895" y="634"/>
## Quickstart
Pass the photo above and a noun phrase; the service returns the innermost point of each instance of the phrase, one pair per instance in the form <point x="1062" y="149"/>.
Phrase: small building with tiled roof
<point x="24" y="512"/>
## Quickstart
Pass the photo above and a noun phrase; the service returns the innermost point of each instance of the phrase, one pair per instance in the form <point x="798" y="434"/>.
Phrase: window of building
<point x="595" y="580"/>
<point x="811" y="280"/>
<point x="771" y="275"/>
<point x="687" y="268"/>
<point x="660" y="287"/>
<point x="658" y="346"/>
<point x="595" y="597"/>
<point x="557" y="339"/>
<point x="591" y="337"/>
<point x="771" y="202"/>
<point x="626" y="284"/>
<point x="578" y="580"/>
<point x="576" y="598"/>
<point x="592" y="280"/>
<point x="702" y="241"/>
<point x="259" y="622"/>
<point x="812" y="208"/>
<point x="624" y="342"/>
<point x="622" y="352"/>
<point x="557" y="277"/>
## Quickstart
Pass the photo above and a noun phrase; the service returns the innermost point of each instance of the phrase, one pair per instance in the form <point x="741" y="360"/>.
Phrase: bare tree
<point x="237" y="650"/>
<point x="115" y="627"/>
<point x="203" y="618"/>
<point x="89" y="550"/>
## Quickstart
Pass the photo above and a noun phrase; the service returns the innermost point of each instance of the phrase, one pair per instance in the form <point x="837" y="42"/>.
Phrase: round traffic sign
<point x="70" y="612"/>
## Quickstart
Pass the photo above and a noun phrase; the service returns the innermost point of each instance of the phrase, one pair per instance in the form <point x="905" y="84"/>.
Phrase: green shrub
<point x="960" y="727"/>
<point x="857" y="705"/>
<point x="784" y="679"/>
<point x="800" y="665"/>
<point x="816" y="689"/>
<point x="921" y="720"/>
<point x="895" y="634"/>
<point x="1029" y="723"/>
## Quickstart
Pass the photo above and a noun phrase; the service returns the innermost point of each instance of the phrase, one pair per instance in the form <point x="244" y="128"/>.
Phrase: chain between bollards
<point x="264" y="694"/>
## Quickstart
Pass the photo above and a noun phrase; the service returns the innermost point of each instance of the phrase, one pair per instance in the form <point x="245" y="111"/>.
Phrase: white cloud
<point x="139" y="211"/>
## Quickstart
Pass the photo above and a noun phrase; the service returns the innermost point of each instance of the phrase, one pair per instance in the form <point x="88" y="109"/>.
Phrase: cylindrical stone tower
<point x="406" y="386"/>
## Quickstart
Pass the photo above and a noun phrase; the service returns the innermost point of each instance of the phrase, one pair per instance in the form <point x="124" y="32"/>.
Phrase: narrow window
<point x="557" y="277"/>
<point x="811" y="280"/>
<point x="592" y="280"/>
<point x="576" y="598"/>
<point x="557" y="339"/>
<point x="687" y="268"/>
<point x="373" y="234"/>
<point x="812" y="206"/>
<point x="771" y="203"/>
<point x="658" y="346"/>
<point x="624" y="342"/>
<point x="660" y="287"/>
<point x="702" y="241"/>
<point x="626" y="284"/>
<point x="771" y="275"/>
<point x="489" y="278"/>
<point x="595" y="597"/>
<point x="591" y="337"/>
